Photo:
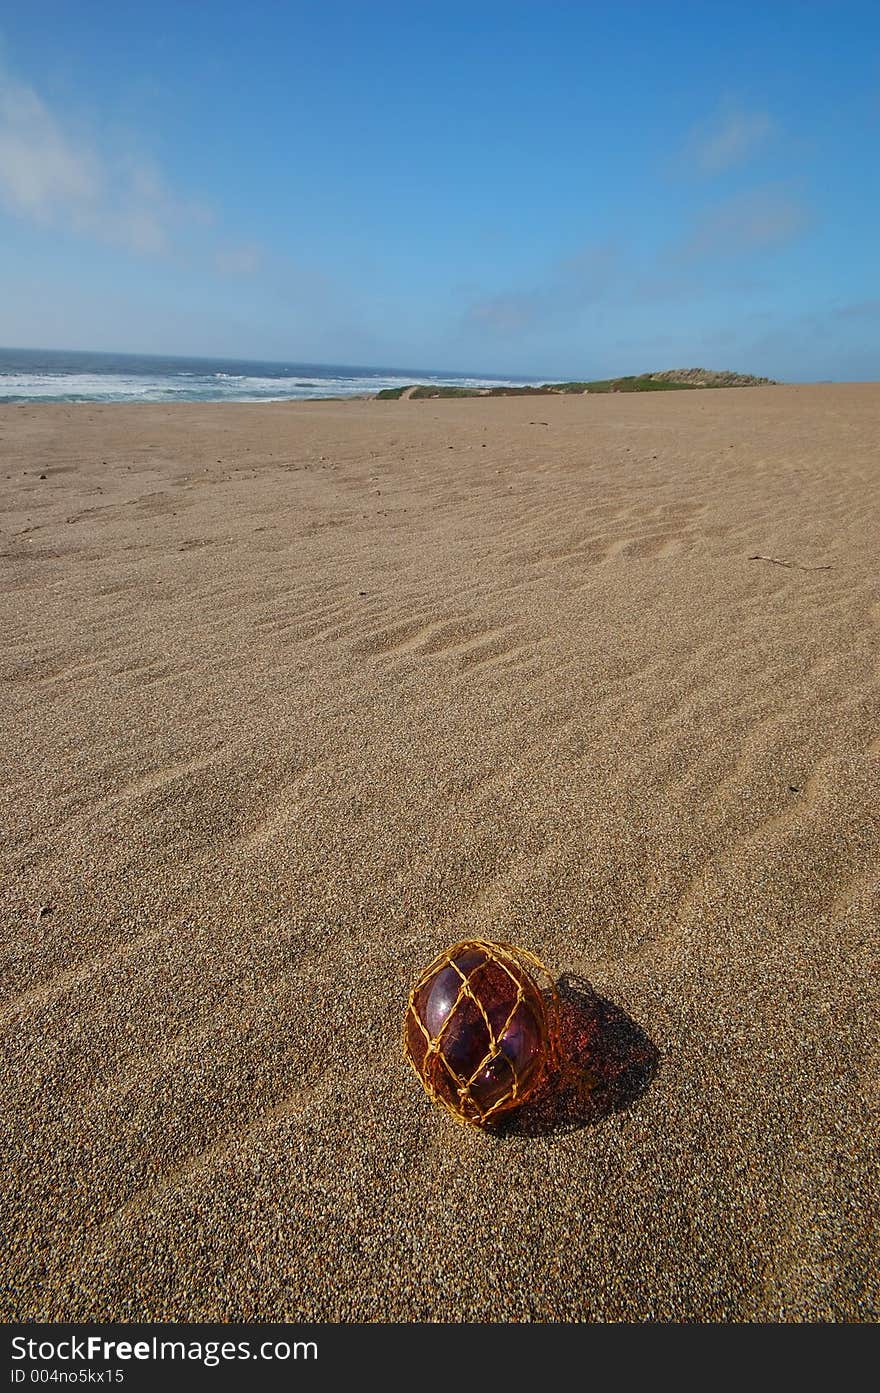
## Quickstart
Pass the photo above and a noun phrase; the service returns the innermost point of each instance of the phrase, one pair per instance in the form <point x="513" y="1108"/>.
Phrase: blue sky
<point x="559" y="190"/>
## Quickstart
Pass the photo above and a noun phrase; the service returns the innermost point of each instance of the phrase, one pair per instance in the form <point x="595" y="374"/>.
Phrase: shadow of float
<point x="606" y="1062"/>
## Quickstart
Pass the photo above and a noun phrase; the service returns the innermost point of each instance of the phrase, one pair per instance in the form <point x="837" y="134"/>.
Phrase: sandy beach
<point x="293" y="697"/>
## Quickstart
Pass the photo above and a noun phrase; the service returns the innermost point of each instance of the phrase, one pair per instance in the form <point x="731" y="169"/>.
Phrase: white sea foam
<point x="86" y="386"/>
<point x="190" y="385"/>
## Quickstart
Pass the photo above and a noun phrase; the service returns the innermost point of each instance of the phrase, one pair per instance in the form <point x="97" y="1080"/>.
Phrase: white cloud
<point x="56" y="177"/>
<point x="245" y="260"/>
<point x="859" y="309"/>
<point x="756" y="220"/>
<point x="512" y="312"/>
<point x="41" y="170"/>
<point x="731" y="138"/>
<point x="574" y="283"/>
<point x="720" y="250"/>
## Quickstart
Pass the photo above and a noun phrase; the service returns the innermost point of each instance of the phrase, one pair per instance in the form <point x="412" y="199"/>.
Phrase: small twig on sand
<point x="794" y="565"/>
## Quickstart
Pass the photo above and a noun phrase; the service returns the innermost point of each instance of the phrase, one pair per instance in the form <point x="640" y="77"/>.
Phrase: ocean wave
<point x="191" y="384"/>
<point x="83" y="386"/>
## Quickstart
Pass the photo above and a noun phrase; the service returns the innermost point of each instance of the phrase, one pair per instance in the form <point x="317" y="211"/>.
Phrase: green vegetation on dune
<point x="671" y="380"/>
<point x="427" y="391"/>
<point x="422" y="392"/>
<point x="643" y="383"/>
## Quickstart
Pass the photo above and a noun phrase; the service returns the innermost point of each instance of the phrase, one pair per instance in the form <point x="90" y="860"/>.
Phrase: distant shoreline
<point x="413" y="392"/>
<point x="56" y="376"/>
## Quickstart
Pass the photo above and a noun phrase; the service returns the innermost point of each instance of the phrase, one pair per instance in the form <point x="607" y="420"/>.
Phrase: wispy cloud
<point x="733" y="136"/>
<point x="512" y="312"/>
<point x="858" y="309"/>
<point x="572" y="284"/>
<point x="244" y="260"/>
<point x="825" y="342"/>
<point x="756" y="220"/>
<point x="722" y="248"/>
<point x="56" y="177"/>
<point x="41" y="169"/>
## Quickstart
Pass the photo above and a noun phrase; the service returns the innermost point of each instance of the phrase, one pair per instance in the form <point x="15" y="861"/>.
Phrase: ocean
<point x="49" y="375"/>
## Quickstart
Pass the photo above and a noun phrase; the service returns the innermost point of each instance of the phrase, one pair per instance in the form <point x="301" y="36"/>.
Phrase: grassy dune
<point x="672" y="380"/>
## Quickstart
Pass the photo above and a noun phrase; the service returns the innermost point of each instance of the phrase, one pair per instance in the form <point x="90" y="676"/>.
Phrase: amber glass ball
<point x="478" y="1030"/>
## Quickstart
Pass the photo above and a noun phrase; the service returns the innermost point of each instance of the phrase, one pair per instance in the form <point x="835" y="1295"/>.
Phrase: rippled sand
<point x="294" y="696"/>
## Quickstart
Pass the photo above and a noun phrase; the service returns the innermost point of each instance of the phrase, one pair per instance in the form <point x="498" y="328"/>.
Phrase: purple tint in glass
<point x="466" y="1040"/>
<point x="523" y="1042"/>
<point x="438" y="996"/>
<point x="492" y="1083"/>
